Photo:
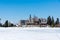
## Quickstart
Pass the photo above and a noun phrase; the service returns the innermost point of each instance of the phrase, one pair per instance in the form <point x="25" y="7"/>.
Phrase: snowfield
<point x="29" y="33"/>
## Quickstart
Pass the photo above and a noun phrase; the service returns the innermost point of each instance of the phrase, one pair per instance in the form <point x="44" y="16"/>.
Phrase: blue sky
<point x="15" y="10"/>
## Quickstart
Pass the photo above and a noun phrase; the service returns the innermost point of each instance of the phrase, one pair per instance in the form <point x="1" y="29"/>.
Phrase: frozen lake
<point x="29" y="33"/>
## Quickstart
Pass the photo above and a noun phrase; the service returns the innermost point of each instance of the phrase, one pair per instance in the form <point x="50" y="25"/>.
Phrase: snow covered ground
<point x="29" y="33"/>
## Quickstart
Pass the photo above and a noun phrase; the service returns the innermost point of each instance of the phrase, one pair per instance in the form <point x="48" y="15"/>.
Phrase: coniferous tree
<point x="40" y="21"/>
<point x="0" y="24"/>
<point x="6" y="23"/>
<point x="57" y="21"/>
<point x="49" y="21"/>
<point x="30" y="18"/>
<point x="52" y="21"/>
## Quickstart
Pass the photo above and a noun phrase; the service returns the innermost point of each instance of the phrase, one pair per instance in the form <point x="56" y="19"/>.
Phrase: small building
<point x="43" y="22"/>
<point x="57" y="25"/>
<point x="36" y="20"/>
<point x="23" y="22"/>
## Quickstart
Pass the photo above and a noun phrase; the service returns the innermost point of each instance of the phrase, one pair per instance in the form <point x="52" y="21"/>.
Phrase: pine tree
<point x="52" y="22"/>
<point x="40" y="22"/>
<point x="49" y="21"/>
<point x="57" y="21"/>
<point x="30" y="18"/>
<point x="6" y="23"/>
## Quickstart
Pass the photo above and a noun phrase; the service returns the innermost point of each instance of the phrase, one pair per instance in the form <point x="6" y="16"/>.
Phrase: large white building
<point x="34" y="21"/>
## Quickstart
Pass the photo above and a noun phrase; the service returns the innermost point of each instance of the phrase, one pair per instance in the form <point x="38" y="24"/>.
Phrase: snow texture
<point x="29" y="33"/>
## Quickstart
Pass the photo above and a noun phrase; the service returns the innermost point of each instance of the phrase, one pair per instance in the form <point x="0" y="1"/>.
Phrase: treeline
<point x="52" y="22"/>
<point x="7" y="24"/>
